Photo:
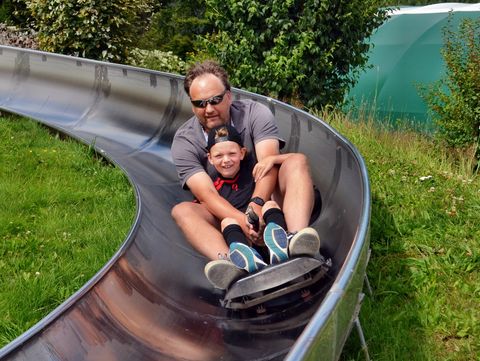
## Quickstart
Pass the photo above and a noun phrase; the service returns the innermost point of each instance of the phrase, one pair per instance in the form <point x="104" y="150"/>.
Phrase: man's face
<point x="204" y="88"/>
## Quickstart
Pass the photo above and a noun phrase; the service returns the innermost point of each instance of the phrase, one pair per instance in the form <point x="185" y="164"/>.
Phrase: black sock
<point x="275" y="215"/>
<point x="233" y="233"/>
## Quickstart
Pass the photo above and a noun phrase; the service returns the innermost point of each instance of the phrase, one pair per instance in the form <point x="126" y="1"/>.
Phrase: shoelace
<point x="290" y="235"/>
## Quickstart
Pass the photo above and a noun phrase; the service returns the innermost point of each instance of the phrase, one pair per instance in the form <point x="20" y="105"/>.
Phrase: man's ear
<point x="209" y="158"/>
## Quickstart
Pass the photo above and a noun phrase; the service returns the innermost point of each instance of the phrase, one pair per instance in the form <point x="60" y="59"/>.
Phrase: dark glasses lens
<point x="216" y="99"/>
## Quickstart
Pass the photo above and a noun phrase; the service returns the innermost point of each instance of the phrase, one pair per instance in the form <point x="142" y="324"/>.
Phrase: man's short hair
<point x="206" y="67"/>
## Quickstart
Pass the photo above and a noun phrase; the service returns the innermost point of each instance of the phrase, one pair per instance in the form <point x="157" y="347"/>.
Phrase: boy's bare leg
<point x="200" y="228"/>
<point x="296" y="188"/>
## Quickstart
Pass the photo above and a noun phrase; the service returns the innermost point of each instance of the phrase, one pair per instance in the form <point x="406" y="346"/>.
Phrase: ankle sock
<point x="275" y="215"/>
<point x="233" y="233"/>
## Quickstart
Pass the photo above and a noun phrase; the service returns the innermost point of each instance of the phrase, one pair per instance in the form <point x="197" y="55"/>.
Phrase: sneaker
<point x="305" y="242"/>
<point x="222" y="273"/>
<point x="276" y="240"/>
<point x="246" y="257"/>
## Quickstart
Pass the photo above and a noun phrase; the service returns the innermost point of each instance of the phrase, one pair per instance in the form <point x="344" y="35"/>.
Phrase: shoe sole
<point x="243" y="257"/>
<point x="276" y="240"/>
<point x="222" y="273"/>
<point x="305" y="242"/>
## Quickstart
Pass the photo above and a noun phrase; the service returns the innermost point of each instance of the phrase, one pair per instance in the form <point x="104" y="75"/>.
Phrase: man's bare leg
<point x="296" y="188"/>
<point x="200" y="228"/>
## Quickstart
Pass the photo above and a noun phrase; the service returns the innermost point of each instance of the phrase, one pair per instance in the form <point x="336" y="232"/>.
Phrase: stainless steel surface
<point x="151" y="300"/>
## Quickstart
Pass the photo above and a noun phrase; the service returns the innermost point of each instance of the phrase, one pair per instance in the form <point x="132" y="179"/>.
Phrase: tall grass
<point x="425" y="241"/>
<point x="63" y="213"/>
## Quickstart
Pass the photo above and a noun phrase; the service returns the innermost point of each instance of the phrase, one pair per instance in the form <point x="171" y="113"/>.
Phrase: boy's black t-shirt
<point x="237" y="191"/>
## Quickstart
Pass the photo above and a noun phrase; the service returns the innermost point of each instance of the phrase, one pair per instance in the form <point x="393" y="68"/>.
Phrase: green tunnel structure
<point x="406" y="53"/>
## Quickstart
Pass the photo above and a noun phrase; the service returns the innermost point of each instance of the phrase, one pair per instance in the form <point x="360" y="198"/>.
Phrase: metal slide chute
<point x="151" y="301"/>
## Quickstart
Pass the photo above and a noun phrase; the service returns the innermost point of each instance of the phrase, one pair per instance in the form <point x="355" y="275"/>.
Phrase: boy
<point x="235" y="182"/>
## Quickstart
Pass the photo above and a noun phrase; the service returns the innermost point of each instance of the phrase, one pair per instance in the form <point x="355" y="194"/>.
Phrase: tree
<point x="14" y="12"/>
<point x="308" y="50"/>
<point x="454" y="100"/>
<point x="175" y="25"/>
<point x="97" y="29"/>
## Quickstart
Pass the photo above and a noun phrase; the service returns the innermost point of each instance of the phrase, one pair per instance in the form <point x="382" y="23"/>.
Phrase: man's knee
<point x="294" y="168"/>
<point x="188" y="212"/>
<point x="177" y="211"/>
<point x="297" y="160"/>
<point x="184" y="209"/>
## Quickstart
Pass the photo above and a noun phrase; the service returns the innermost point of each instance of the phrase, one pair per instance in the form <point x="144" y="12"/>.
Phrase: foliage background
<point x="425" y="236"/>
<point x="454" y="100"/>
<point x="97" y="29"/>
<point x="306" y="51"/>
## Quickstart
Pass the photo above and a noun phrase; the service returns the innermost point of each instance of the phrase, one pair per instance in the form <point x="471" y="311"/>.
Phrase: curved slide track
<point x="151" y="301"/>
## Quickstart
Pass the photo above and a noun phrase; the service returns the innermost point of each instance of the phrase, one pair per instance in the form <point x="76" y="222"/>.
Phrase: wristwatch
<point x="258" y="200"/>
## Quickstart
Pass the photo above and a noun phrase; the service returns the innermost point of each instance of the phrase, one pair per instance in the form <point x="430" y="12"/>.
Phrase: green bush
<point x="309" y="50"/>
<point x="14" y="12"/>
<point x="97" y="29"/>
<point x="5" y="11"/>
<point x="175" y="25"/>
<point x="156" y="60"/>
<point x="422" y="2"/>
<point x="454" y="101"/>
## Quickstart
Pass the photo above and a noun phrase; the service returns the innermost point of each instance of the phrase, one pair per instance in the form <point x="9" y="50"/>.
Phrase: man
<point x="209" y="90"/>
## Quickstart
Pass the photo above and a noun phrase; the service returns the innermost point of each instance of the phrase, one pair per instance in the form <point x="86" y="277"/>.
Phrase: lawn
<point x="63" y="213"/>
<point x="425" y="241"/>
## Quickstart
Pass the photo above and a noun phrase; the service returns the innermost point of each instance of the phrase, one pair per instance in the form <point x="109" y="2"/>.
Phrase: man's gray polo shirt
<point x="253" y="120"/>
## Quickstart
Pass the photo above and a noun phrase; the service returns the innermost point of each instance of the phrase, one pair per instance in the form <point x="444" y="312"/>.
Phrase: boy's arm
<point x="265" y="186"/>
<point x="201" y="185"/>
<point x="264" y="150"/>
<point x="264" y="167"/>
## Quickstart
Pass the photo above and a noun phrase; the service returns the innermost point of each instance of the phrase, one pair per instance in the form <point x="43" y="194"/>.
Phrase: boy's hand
<point x="252" y="218"/>
<point x="255" y="224"/>
<point x="262" y="168"/>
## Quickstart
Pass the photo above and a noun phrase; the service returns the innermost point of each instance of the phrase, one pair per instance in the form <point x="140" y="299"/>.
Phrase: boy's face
<point x="226" y="157"/>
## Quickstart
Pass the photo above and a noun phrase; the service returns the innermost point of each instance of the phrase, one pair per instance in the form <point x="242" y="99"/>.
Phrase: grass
<point x="63" y="213"/>
<point x="425" y="241"/>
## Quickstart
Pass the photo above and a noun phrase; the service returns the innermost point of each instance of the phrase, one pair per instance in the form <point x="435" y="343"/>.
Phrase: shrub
<point x="309" y="50"/>
<point x="157" y="60"/>
<point x="97" y="29"/>
<point x="14" y="12"/>
<point x="175" y="25"/>
<point x="454" y="101"/>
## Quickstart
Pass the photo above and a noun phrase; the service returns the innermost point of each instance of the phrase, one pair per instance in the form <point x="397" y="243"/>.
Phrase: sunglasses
<point x="216" y="99"/>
